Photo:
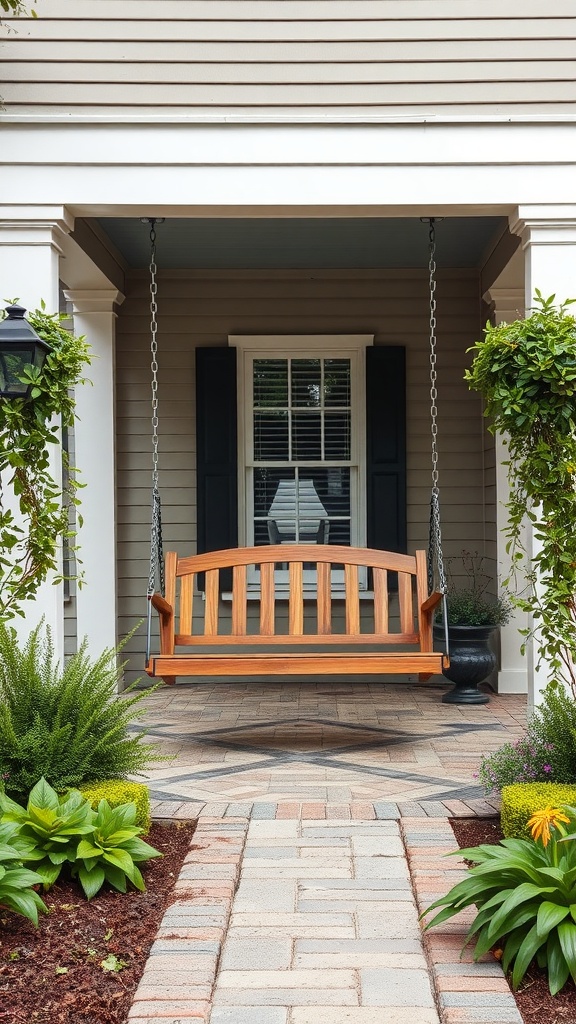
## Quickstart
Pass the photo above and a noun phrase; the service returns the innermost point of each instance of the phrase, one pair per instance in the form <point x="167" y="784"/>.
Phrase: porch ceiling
<point x="304" y="243"/>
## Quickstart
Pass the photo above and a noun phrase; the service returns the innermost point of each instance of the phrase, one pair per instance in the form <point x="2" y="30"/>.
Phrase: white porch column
<point x="548" y="234"/>
<point x="507" y="305"/>
<point x="29" y="270"/>
<point x="95" y="316"/>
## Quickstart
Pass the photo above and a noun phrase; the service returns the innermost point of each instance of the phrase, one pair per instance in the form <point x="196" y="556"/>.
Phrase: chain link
<point x="156" y="572"/>
<point x="435" y="559"/>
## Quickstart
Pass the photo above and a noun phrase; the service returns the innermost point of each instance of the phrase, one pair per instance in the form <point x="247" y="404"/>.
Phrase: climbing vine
<point x="34" y="508"/>
<point x="526" y="372"/>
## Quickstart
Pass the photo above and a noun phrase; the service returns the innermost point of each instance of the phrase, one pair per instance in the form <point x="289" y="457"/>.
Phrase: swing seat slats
<point x="212" y="639"/>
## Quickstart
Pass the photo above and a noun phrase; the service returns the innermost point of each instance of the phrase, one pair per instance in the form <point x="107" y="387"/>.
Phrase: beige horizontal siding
<point x="291" y="57"/>
<point x="203" y="308"/>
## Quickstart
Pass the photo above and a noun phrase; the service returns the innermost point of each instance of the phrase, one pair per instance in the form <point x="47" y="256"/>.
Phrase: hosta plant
<point x="16" y="881"/>
<point x="112" y="851"/>
<point x="525" y="893"/>
<point x="51" y="825"/>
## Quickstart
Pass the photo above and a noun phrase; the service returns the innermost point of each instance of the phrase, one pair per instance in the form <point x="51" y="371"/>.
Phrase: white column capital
<point x="94" y="300"/>
<point x="35" y="225"/>
<point x="546" y="224"/>
<point x="506" y="304"/>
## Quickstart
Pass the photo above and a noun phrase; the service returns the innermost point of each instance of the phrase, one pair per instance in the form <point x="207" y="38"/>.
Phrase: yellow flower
<point x="541" y="821"/>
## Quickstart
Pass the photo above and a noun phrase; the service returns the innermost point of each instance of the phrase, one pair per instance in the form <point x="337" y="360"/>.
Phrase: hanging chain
<point x="435" y="558"/>
<point x="156" y="572"/>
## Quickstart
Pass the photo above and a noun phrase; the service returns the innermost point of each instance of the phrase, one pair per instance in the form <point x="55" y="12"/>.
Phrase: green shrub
<point x="66" y="725"/>
<point x="547" y="753"/>
<point x="525" y="760"/>
<point x="53" y="832"/>
<point x="118" y="791"/>
<point x="521" y="801"/>
<point x="51" y="825"/>
<point x="112" y="851"/>
<point x="525" y="892"/>
<point x="16" y="881"/>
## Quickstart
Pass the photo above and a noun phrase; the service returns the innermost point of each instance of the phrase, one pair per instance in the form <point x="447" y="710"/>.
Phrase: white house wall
<point x="204" y="307"/>
<point x="298" y="57"/>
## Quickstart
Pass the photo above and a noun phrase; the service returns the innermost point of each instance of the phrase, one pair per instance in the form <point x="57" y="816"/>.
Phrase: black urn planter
<point x="471" y="662"/>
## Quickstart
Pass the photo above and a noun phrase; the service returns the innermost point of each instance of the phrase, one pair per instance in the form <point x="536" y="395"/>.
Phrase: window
<point x="301" y="441"/>
<point x="324" y="493"/>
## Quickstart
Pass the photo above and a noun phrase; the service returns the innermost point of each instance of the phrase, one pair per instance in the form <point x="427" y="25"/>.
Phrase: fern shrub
<point x="68" y="724"/>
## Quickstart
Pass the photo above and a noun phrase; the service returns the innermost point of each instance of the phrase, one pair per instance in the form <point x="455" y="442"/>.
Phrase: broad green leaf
<point x="525" y="955"/>
<point x="120" y="859"/>
<point x="549" y="915"/>
<point x="91" y="881"/>
<point x="512" y="944"/>
<point x="85" y="850"/>
<point x="43" y="797"/>
<point x="567" y="937"/>
<point x="558" y="970"/>
<point x="24" y="904"/>
<point x="139" y="850"/>
<point x="116" y="877"/>
<point x="526" y="891"/>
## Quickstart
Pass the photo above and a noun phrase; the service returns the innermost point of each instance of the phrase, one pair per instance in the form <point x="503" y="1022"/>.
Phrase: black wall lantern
<point x="20" y="346"/>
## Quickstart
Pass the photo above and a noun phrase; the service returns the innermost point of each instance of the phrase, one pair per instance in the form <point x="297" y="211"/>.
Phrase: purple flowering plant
<point x="527" y="759"/>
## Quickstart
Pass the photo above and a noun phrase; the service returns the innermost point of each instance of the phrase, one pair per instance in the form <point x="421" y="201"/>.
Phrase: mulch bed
<point x="533" y="997"/>
<point x="57" y="973"/>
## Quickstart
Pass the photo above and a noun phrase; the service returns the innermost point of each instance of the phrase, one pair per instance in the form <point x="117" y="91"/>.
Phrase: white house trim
<point x="96" y="613"/>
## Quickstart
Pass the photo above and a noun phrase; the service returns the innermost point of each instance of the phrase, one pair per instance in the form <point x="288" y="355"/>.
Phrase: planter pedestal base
<point x="471" y="662"/>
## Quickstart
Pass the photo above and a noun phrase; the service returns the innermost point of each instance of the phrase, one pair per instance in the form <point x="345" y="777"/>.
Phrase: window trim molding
<point x="355" y="345"/>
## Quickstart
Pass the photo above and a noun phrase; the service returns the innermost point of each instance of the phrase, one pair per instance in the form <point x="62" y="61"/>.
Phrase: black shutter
<point x="217" y="452"/>
<point x="386" y="448"/>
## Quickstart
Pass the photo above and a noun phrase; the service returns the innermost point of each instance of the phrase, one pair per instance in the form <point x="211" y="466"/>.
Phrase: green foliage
<point x="526" y="372"/>
<point x="546" y="753"/>
<point x="526" y="760"/>
<point x="16" y="881"/>
<point x="53" y="831"/>
<point x="51" y="825"/>
<point x="118" y="791"/>
<point x="519" y="802"/>
<point x="68" y="725"/>
<point x="16" y="7"/>
<point x="29" y="429"/>
<point x="525" y="894"/>
<point x="472" y="605"/>
<point x="112" y="850"/>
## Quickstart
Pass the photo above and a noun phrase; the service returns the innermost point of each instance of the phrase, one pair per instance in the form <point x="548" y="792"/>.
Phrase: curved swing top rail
<point x="217" y="633"/>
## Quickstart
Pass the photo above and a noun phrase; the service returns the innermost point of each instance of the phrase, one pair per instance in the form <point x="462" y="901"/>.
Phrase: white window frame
<point x="321" y="346"/>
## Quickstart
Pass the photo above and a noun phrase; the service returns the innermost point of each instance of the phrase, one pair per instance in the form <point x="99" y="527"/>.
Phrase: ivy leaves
<point x="526" y="372"/>
<point x="34" y="519"/>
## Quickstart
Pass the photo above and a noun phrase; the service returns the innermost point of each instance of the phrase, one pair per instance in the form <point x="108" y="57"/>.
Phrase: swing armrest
<point x="431" y="602"/>
<point x="162" y="606"/>
<point x="166" y="613"/>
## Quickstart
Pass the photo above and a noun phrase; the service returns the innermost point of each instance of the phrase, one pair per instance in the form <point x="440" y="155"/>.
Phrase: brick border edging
<point x="466" y="992"/>
<point x="180" y="972"/>
<point x="357" y="810"/>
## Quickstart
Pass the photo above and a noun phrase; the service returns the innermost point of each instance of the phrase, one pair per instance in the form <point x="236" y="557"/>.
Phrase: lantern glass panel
<point x="12" y="364"/>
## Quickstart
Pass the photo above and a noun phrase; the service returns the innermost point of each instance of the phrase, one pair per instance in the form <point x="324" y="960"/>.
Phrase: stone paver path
<point x="322" y="828"/>
<point x="324" y="928"/>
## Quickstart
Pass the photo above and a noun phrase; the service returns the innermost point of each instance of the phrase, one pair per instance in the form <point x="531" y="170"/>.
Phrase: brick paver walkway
<point x="314" y="852"/>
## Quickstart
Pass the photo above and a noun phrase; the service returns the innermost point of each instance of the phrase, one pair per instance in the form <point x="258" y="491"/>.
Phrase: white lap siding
<point x="292" y="58"/>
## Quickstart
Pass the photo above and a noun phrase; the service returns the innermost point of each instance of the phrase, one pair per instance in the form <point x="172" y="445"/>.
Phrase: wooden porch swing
<point x="279" y="645"/>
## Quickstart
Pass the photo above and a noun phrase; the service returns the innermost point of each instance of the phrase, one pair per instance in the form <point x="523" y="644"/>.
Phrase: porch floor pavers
<point x="354" y="749"/>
